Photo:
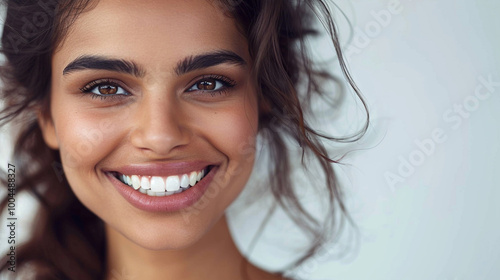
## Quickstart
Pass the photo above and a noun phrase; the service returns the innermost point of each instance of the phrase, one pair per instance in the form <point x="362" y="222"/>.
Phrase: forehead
<point x="151" y="31"/>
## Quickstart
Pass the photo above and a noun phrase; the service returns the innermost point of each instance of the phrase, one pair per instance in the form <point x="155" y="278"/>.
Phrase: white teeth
<point x="172" y="184"/>
<point x="184" y="181"/>
<point x="157" y="184"/>
<point x="192" y="178"/>
<point x="162" y="186"/>
<point x="145" y="183"/>
<point x="136" y="182"/>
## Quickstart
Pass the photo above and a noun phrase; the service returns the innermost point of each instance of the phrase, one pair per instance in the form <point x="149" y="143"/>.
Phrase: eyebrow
<point x="206" y="60"/>
<point x="96" y="62"/>
<point x="188" y="64"/>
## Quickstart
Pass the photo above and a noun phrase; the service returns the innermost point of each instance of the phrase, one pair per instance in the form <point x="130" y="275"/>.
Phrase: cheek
<point x="84" y="139"/>
<point x="233" y="133"/>
<point x="234" y="129"/>
<point x="84" y="136"/>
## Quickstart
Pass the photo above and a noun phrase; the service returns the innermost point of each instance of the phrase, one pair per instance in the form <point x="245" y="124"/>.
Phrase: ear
<point x="48" y="130"/>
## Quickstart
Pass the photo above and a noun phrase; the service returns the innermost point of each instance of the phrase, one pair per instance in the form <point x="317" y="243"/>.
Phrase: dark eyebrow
<point x="206" y="60"/>
<point x="103" y="63"/>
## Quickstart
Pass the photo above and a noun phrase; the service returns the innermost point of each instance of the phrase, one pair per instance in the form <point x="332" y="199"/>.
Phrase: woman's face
<point x="158" y="91"/>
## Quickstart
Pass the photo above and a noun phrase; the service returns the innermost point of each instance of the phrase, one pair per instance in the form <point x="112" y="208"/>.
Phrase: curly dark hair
<point x="68" y="240"/>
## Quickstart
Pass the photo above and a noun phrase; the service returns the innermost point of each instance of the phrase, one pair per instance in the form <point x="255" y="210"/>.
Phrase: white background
<point x="440" y="222"/>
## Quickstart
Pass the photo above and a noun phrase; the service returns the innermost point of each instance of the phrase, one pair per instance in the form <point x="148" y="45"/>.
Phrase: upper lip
<point x="161" y="169"/>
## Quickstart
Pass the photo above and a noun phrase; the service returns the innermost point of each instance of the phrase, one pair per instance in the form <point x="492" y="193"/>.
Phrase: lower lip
<point x="169" y="203"/>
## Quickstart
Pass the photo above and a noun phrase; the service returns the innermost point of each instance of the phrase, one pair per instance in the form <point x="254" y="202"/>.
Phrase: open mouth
<point x="162" y="185"/>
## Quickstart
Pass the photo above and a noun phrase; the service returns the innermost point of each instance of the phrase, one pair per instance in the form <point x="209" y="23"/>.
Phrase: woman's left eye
<point x="212" y="84"/>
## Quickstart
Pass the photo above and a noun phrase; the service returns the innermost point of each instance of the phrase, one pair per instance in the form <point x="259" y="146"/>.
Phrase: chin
<point x="164" y="234"/>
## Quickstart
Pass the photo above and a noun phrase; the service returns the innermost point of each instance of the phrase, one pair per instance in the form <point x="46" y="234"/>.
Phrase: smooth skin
<point x="157" y="115"/>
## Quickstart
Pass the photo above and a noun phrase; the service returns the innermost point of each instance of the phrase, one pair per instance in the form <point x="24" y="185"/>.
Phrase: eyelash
<point x="225" y="81"/>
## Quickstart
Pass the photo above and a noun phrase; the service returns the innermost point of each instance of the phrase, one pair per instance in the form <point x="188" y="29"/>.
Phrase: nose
<point x="158" y="126"/>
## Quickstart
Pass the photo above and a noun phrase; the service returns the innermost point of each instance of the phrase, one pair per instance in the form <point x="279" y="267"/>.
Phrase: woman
<point x="142" y="120"/>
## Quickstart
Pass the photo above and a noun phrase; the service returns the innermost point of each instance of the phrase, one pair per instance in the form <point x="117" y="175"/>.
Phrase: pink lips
<point x="170" y="203"/>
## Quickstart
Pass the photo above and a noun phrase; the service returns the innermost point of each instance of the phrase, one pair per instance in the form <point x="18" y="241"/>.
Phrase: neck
<point x="215" y="256"/>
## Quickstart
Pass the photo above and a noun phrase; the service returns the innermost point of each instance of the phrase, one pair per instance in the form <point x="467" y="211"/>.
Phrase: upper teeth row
<point x="161" y="184"/>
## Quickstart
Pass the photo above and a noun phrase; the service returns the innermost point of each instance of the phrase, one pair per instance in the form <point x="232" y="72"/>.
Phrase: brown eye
<point x="103" y="88"/>
<point x="107" y="89"/>
<point x="207" y="84"/>
<point x="212" y="84"/>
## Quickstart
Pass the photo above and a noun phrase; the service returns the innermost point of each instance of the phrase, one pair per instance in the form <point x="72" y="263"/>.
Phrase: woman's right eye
<point x="103" y="89"/>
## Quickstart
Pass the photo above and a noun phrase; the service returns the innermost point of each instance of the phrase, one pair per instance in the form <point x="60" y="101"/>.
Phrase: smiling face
<point x="145" y="97"/>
